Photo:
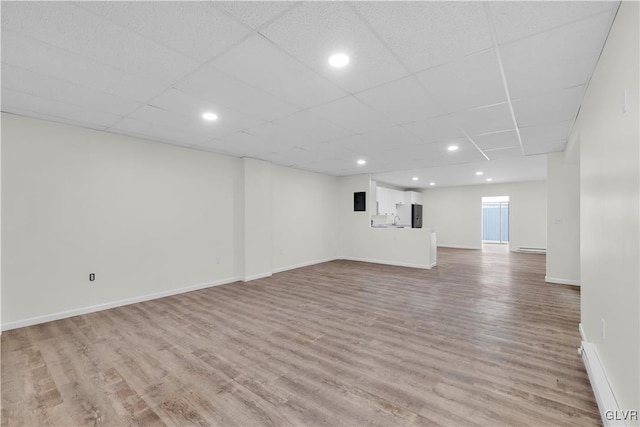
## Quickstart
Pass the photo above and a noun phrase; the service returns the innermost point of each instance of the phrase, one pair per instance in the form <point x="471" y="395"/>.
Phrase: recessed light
<point x="452" y="148"/>
<point x="432" y="183"/>
<point x="210" y="116"/>
<point x="338" y="60"/>
<point x="415" y="178"/>
<point x="479" y="173"/>
<point x="361" y="162"/>
<point x="489" y="179"/>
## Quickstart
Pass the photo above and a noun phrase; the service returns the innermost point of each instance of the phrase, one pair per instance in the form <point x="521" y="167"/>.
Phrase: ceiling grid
<point x="502" y="80"/>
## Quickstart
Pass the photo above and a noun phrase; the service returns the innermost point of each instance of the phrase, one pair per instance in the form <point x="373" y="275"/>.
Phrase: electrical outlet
<point x="603" y="325"/>
<point x="92" y="277"/>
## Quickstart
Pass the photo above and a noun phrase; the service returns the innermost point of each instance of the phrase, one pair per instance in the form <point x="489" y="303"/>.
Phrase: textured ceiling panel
<point x="277" y="73"/>
<point x="557" y="106"/>
<point x="493" y="118"/>
<point x="491" y="141"/>
<point x="48" y="60"/>
<point x="535" y="135"/>
<point x="516" y="20"/>
<point x="78" y="31"/>
<point x="219" y="88"/>
<point x="442" y="128"/>
<point x="21" y="80"/>
<point x="557" y="59"/>
<point x="473" y="81"/>
<point x="421" y="75"/>
<point x="352" y="114"/>
<point x="36" y="106"/>
<point x="314" y="31"/>
<point x="255" y="13"/>
<point x="430" y="33"/>
<point x="209" y="32"/>
<point x="402" y="101"/>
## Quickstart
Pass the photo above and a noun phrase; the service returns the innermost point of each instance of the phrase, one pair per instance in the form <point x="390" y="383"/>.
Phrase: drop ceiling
<point x="502" y="80"/>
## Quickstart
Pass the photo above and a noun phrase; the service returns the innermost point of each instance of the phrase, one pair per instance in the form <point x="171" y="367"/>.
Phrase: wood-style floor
<point x="479" y="340"/>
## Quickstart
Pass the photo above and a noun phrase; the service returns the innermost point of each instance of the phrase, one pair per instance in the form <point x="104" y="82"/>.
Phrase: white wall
<point x="610" y="208"/>
<point x="257" y="214"/>
<point x="304" y="217"/>
<point x="455" y="213"/>
<point x="563" y="220"/>
<point x="146" y="218"/>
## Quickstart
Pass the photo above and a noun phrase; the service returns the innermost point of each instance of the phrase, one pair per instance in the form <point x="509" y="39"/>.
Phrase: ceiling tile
<point x="315" y="30"/>
<point x="465" y="149"/>
<point x="314" y="128"/>
<point x="556" y="59"/>
<point x="35" y="106"/>
<point x="191" y="108"/>
<point x="239" y="144"/>
<point x="545" y="147"/>
<point x="278" y="137"/>
<point x="351" y="114"/>
<point x="191" y="125"/>
<point x="196" y="29"/>
<point x="259" y="63"/>
<point x="494" y="140"/>
<point x="435" y="129"/>
<point x="550" y="107"/>
<point x="543" y="134"/>
<point x="341" y="167"/>
<point x="254" y="13"/>
<point x="529" y="168"/>
<point x="473" y="81"/>
<point x="486" y="119"/>
<point x="76" y="30"/>
<point x="431" y="33"/>
<point x="214" y="86"/>
<point x="504" y="153"/>
<point x="403" y="101"/>
<point x="165" y="133"/>
<point x="43" y="86"/>
<point x="57" y="63"/>
<point x="384" y="139"/>
<point x="516" y="20"/>
<point x="292" y="157"/>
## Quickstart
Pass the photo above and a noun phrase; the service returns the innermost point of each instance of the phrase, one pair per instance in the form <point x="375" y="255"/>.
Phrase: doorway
<point x="495" y="220"/>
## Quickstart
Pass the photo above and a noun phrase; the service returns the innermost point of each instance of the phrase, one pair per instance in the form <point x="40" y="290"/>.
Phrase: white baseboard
<point x="304" y="264"/>
<point x="607" y="404"/>
<point x="377" y="261"/>
<point x="583" y="336"/>
<point x="460" y="247"/>
<point x="561" y="281"/>
<point x="113" y="304"/>
<point x="256" y="277"/>
<point x="433" y="264"/>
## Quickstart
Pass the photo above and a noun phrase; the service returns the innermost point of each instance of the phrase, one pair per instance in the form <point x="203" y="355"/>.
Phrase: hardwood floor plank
<point x="479" y="340"/>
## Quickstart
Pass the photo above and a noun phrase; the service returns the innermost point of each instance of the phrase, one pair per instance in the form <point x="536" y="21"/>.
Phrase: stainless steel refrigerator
<point x="416" y="216"/>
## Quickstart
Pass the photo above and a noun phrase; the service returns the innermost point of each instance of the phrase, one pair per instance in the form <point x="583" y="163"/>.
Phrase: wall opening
<point x="495" y="220"/>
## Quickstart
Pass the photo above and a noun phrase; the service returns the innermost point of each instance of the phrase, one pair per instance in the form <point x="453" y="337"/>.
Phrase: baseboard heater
<point x="609" y="410"/>
<point x="532" y="250"/>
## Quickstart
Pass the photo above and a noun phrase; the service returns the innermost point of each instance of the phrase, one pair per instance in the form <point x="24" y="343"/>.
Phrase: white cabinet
<point x="413" y="197"/>
<point x="389" y="200"/>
